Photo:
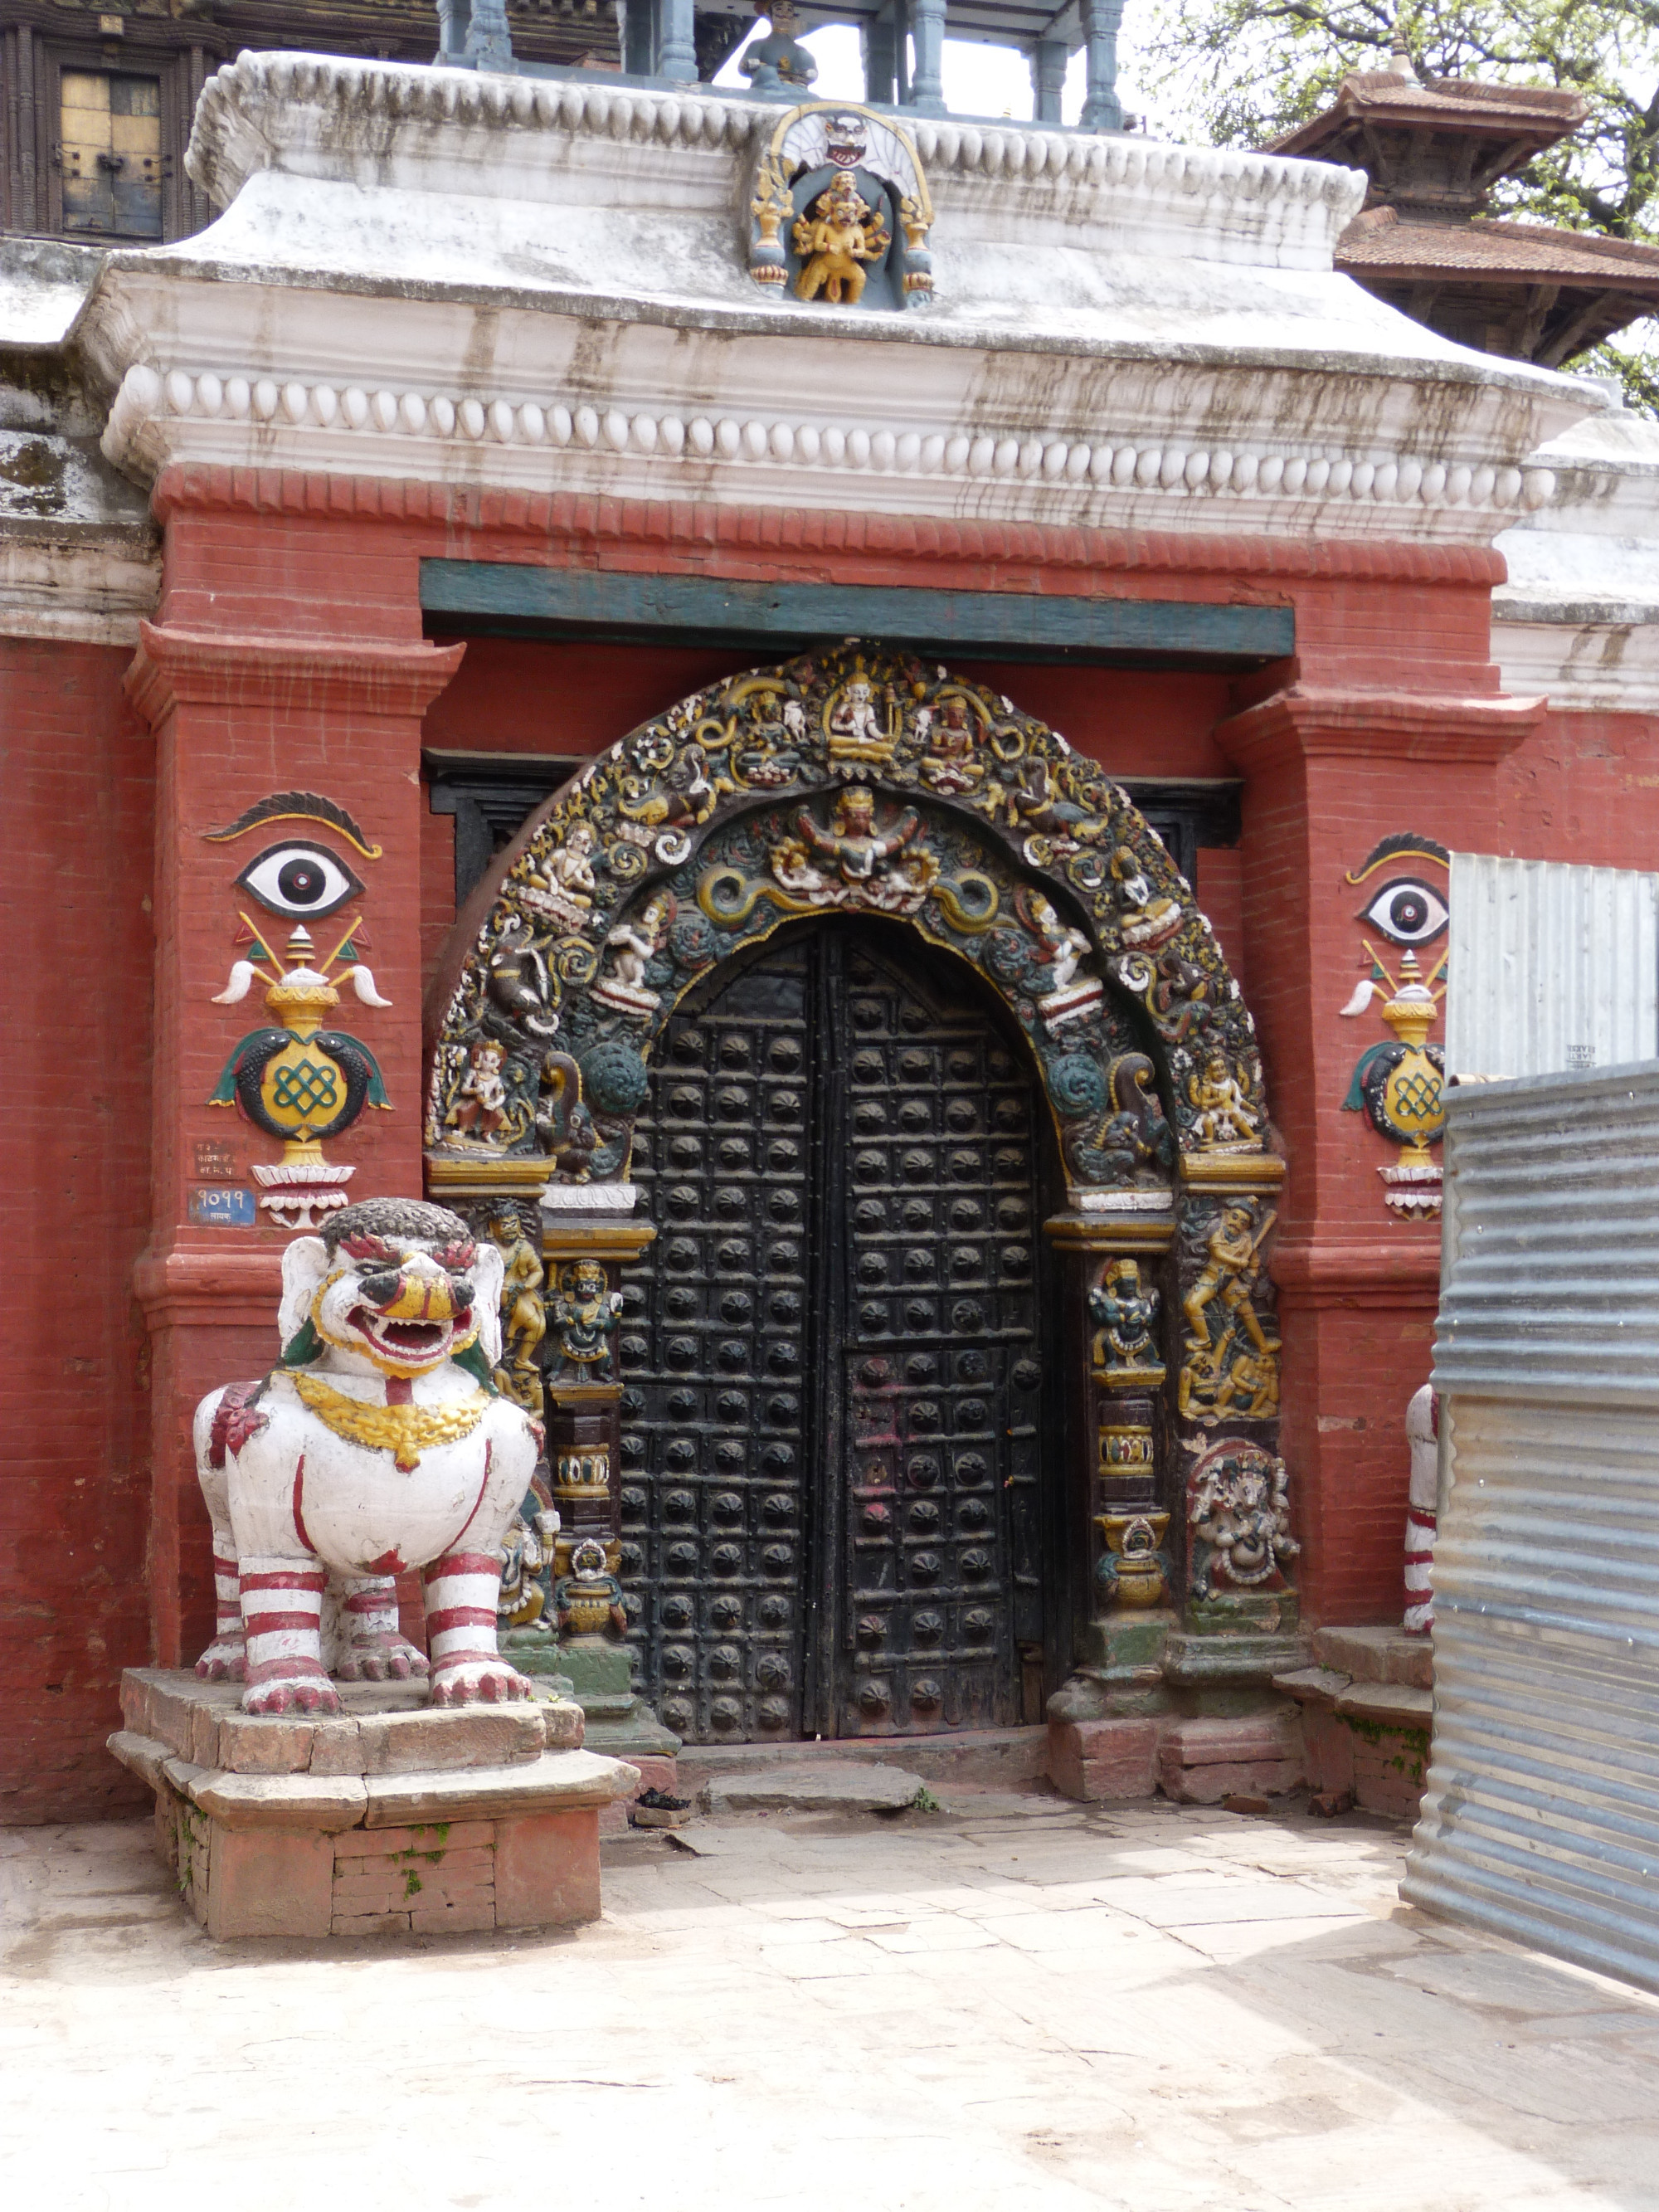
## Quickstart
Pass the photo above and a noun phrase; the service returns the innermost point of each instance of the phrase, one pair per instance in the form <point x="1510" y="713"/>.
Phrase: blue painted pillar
<point x="1048" y="60"/>
<point x="488" y="41"/>
<point x="879" y="40"/>
<point x="638" y="37"/>
<point x="454" y="20"/>
<point x="676" y="52"/>
<point x="928" y="74"/>
<point x="1101" y="108"/>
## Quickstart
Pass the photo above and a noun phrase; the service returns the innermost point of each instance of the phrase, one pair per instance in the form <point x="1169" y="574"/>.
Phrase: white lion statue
<point x="378" y="1445"/>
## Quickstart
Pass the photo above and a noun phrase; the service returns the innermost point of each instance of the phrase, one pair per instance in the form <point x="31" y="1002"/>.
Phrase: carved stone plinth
<point x="392" y="1817"/>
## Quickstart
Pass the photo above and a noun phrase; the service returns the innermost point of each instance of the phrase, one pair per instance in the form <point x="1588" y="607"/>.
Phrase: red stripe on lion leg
<point x="268" y="1624"/>
<point x="296" y="1578"/>
<point x="380" y="1597"/>
<point x="462" y="1563"/>
<point x="460" y="1616"/>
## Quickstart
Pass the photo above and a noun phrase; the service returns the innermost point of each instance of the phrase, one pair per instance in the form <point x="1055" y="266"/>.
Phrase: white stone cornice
<point x="1583" y="659"/>
<point x="84" y="585"/>
<point x="458" y="130"/>
<point x="562" y="442"/>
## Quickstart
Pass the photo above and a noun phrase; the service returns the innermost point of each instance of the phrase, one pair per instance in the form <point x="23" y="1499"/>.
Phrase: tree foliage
<point x="1240" y="72"/>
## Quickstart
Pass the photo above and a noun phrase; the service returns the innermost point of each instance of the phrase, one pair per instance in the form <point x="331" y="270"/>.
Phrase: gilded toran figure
<point x="1232" y="1263"/>
<point x="480" y="1107"/>
<point x="852" y="841"/>
<point x="588" y="1600"/>
<point x="838" y="232"/>
<point x="378" y="1445"/>
<point x="524" y="1320"/>
<point x="1224" y="1114"/>
<point x="1065" y="948"/>
<point x="584" y="1311"/>
<point x="1126" y="1317"/>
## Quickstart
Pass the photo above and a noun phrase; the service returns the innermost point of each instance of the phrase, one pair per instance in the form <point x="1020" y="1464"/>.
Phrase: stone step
<point x="1000" y="1758"/>
<point x="827" y="1786"/>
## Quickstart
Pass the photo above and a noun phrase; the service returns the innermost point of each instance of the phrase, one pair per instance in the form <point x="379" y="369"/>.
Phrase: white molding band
<point x="371" y="431"/>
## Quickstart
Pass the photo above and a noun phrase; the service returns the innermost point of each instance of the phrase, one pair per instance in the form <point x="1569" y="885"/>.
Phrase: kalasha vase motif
<point x="1399" y="1085"/>
<point x="378" y="1445"/>
<point x="297" y="1080"/>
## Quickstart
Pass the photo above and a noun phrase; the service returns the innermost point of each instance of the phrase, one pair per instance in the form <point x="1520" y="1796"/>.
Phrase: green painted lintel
<point x="496" y="595"/>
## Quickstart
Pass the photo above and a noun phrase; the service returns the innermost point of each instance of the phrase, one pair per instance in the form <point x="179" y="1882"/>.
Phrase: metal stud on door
<point x="713" y="1353"/>
<point x="942" y="1579"/>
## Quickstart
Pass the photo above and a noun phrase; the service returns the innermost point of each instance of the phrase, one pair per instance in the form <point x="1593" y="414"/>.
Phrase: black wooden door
<point x="833" y="1414"/>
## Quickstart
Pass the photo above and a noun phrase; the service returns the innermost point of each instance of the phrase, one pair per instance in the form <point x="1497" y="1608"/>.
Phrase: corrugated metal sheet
<point x="1552" y="967"/>
<point x="1540" y="1819"/>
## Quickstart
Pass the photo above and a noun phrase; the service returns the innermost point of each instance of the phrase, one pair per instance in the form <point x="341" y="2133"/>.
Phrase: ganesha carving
<point x="378" y="1444"/>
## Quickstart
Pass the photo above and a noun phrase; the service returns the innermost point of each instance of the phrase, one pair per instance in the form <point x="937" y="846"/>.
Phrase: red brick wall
<point x="77" y="833"/>
<point x="1586" y="789"/>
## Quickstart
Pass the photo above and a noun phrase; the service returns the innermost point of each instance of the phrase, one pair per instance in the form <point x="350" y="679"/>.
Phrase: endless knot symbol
<point x="304" y="1087"/>
<point x="1419" y="1095"/>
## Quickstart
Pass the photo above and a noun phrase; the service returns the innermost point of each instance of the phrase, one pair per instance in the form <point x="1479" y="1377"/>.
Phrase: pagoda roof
<point x="1383" y="243"/>
<point x="1540" y="114"/>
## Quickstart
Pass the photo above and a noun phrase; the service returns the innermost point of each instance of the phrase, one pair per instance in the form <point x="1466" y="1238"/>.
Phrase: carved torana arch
<point x="855" y="779"/>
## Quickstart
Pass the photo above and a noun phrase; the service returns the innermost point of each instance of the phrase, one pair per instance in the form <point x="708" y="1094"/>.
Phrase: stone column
<point x="1048" y="58"/>
<point x="1101" y="108"/>
<point x="927" y="38"/>
<point x="878" y="37"/>
<point x="676" y="52"/>
<point x="489" y="40"/>
<point x="240" y="715"/>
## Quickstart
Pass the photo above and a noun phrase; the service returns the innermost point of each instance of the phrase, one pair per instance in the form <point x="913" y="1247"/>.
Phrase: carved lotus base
<point x="1413" y="1191"/>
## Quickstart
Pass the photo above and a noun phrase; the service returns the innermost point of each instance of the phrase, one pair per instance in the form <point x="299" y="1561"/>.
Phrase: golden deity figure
<point x="948" y="738"/>
<point x="1225" y="1120"/>
<point x="1232" y="1263"/>
<point x="1230" y="1363"/>
<point x="838" y="231"/>
<point x="858" y="850"/>
<point x="524" y="1315"/>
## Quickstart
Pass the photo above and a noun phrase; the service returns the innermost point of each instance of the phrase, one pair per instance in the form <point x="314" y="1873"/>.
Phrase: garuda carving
<point x="379" y="1443"/>
<point x="840" y="208"/>
<point x="853" y="779"/>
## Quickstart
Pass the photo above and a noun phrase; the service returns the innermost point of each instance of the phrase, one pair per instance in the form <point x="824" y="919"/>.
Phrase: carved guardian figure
<point x="379" y="1443"/>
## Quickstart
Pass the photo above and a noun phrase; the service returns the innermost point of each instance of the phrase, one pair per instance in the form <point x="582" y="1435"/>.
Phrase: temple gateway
<point x="810" y="714"/>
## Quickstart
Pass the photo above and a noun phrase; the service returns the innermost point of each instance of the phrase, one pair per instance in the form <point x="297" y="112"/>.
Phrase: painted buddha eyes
<point x="300" y="880"/>
<point x="1407" y="911"/>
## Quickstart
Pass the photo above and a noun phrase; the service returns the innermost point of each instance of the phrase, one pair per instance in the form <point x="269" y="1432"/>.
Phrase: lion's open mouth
<point x="417" y="1342"/>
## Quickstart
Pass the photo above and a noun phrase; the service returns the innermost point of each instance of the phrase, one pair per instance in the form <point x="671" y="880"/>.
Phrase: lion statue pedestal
<point x="317" y="1774"/>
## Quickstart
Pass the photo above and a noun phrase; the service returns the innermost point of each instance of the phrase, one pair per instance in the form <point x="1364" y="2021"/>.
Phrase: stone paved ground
<point x="1016" y="2003"/>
